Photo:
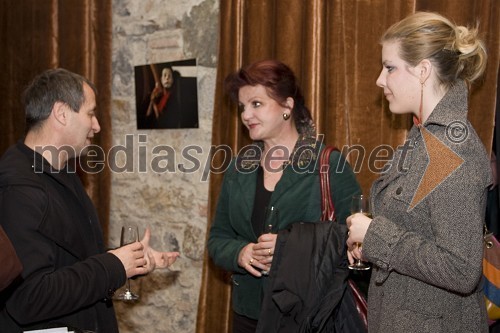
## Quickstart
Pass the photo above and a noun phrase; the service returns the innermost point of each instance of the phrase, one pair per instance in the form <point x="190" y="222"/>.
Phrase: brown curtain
<point x="333" y="47"/>
<point x="74" y="34"/>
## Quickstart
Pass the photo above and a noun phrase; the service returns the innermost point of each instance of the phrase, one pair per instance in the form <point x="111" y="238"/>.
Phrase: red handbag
<point x="328" y="214"/>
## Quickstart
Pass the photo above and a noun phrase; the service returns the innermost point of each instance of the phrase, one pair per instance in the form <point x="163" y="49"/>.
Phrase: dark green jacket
<point x="297" y="197"/>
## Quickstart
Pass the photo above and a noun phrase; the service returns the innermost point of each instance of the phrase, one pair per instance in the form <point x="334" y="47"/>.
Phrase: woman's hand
<point x="248" y="262"/>
<point x="358" y="225"/>
<point x="257" y="257"/>
<point x="157" y="92"/>
<point x="263" y="251"/>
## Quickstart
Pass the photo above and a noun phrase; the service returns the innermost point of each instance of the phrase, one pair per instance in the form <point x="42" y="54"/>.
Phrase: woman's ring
<point x="250" y="262"/>
<point x="269" y="251"/>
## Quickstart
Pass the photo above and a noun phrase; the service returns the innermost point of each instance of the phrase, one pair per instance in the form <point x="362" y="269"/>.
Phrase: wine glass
<point x="129" y="235"/>
<point x="360" y="204"/>
<point x="270" y="223"/>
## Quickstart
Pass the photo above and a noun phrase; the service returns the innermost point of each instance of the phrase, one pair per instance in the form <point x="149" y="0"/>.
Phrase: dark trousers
<point x="242" y="324"/>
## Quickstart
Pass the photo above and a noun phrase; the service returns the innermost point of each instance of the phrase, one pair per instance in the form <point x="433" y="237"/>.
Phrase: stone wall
<point x="174" y="203"/>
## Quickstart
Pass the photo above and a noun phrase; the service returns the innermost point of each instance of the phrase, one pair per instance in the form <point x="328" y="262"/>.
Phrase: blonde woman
<point x="425" y="238"/>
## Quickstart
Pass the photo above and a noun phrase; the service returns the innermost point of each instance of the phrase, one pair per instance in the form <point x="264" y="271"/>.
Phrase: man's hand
<point x="156" y="259"/>
<point x="132" y="258"/>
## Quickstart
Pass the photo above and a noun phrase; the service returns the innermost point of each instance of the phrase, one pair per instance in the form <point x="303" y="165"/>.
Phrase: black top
<point x="261" y="201"/>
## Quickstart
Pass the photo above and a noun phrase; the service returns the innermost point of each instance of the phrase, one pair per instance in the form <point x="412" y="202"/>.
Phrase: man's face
<point x="83" y="125"/>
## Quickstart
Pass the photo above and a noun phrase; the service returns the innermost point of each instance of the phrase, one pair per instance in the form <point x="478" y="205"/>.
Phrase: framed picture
<point x="166" y="95"/>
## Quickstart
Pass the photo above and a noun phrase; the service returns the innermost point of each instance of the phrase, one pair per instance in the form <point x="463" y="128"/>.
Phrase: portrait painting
<point x="166" y="95"/>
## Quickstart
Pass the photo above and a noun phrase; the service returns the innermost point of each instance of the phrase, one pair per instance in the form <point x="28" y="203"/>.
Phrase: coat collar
<point x="452" y="107"/>
<point x="302" y="162"/>
<point x="303" y="156"/>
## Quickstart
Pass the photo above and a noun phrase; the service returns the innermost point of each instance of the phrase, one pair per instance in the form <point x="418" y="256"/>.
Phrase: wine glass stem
<point x="128" y="285"/>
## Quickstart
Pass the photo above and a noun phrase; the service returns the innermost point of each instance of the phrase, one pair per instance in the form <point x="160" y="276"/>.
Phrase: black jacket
<point x="307" y="279"/>
<point x="307" y="289"/>
<point x="53" y="226"/>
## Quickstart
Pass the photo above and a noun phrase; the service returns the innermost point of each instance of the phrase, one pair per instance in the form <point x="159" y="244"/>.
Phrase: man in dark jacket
<point x="67" y="277"/>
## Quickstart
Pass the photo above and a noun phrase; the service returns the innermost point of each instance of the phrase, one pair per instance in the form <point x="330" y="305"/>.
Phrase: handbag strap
<point x="327" y="207"/>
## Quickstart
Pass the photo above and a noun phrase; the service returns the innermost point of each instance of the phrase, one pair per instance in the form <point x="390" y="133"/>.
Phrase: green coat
<point x="297" y="197"/>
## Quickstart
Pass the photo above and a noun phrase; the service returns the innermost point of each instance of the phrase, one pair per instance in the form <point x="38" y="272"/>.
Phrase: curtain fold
<point x="333" y="47"/>
<point x="73" y="34"/>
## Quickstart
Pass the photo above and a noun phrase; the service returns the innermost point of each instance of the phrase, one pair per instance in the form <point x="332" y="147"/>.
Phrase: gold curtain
<point x="41" y="34"/>
<point x="333" y="47"/>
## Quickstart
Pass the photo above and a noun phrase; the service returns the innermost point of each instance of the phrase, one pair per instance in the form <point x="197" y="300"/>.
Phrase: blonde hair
<point x="455" y="51"/>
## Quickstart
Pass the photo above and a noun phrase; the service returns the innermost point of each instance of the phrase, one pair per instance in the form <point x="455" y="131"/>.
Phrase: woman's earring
<point x="286" y="116"/>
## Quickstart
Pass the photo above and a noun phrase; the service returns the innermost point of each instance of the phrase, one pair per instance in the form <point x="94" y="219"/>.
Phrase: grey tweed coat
<point x="426" y="244"/>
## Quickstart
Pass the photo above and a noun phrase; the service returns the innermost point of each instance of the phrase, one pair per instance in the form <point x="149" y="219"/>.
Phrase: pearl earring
<point x="286" y="116"/>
